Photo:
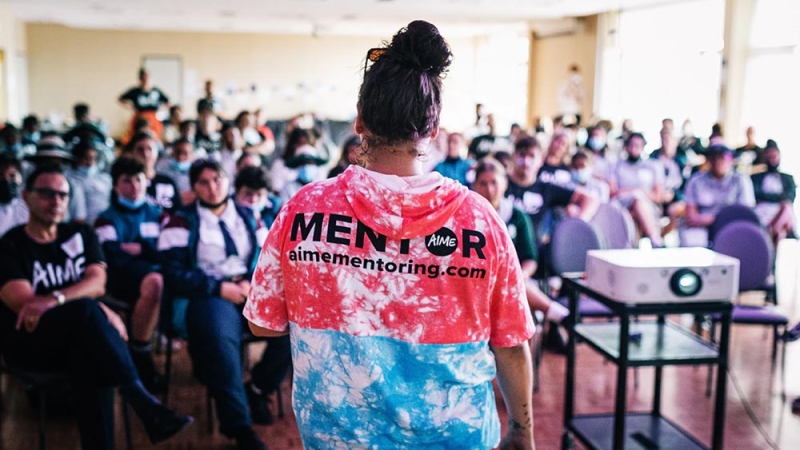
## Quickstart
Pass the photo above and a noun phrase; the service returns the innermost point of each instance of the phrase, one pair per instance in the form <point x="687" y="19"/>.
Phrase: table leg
<point x="722" y="378"/>
<point x="622" y="383"/>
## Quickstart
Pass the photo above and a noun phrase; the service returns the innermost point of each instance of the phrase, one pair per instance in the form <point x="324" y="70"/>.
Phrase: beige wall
<point x="13" y="45"/>
<point x="68" y="65"/>
<point x="550" y="60"/>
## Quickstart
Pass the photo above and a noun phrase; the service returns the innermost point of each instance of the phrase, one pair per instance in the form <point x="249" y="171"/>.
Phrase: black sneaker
<point x="162" y="423"/>
<point x="152" y="379"/>
<point x="247" y="439"/>
<point x="259" y="409"/>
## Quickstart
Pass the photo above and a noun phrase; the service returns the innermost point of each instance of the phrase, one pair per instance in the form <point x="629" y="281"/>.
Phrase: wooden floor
<point x="758" y="414"/>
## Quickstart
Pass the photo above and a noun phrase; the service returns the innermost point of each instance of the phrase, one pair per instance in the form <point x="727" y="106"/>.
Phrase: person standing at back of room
<point x="424" y="299"/>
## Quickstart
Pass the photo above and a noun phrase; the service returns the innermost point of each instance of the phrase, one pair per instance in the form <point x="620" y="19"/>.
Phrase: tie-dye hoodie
<point x="392" y="290"/>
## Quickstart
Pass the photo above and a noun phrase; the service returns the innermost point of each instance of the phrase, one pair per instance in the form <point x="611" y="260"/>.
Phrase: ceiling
<point x="315" y="17"/>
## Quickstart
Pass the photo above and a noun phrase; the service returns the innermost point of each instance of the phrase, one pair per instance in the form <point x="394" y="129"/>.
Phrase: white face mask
<point x="582" y="176"/>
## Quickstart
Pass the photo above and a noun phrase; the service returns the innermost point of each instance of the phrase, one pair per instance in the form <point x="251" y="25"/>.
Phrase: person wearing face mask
<point x="582" y="174"/>
<point x="708" y="192"/>
<point x="309" y="167"/>
<point x="177" y="167"/>
<point x="252" y="191"/>
<point x="128" y="232"/>
<point x="161" y="189"/>
<point x="597" y="147"/>
<point x="638" y="184"/>
<point x="13" y="210"/>
<point x="94" y="184"/>
<point x="775" y="193"/>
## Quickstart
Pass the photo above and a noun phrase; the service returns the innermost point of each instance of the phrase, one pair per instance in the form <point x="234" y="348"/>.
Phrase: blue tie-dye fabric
<point x="353" y="392"/>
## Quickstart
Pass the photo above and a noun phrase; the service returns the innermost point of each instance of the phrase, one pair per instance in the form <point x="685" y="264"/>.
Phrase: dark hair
<point x="489" y="164"/>
<point x="140" y="123"/>
<point x="174" y="108"/>
<point x="253" y="178"/>
<point x="240" y="116"/>
<point x="632" y="136"/>
<point x="8" y="160"/>
<point x="181" y="141"/>
<point x="401" y="96"/>
<point x="80" y="149"/>
<point x="578" y="156"/>
<point x="125" y="166"/>
<point x="136" y="139"/>
<point x="202" y="164"/>
<point x="30" y="121"/>
<point x="293" y="139"/>
<point x="81" y="111"/>
<point x="526" y="143"/>
<point x="142" y="72"/>
<point x="42" y="170"/>
<point x="352" y="141"/>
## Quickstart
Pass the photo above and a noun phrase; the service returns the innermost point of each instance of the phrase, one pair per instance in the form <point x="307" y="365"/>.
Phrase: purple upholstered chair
<point x="572" y="238"/>
<point x="730" y="214"/>
<point x="750" y="244"/>
<point x="615" y="226"/>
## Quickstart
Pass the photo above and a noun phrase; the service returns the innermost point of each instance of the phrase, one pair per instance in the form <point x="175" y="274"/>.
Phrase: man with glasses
<point x="49" y="318"/>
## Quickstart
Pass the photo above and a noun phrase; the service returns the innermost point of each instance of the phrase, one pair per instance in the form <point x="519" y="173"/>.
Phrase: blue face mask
<point x="306" y="174"/>
<point x="131" y="204"/>
<point x="582" y="176"/>
<point x="181" y="166"/>
<point x="596" y="143"/>
<point x="87" y="171"/>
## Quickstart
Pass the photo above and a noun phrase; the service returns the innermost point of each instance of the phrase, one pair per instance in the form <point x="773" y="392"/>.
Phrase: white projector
<point x="662" y="275"/>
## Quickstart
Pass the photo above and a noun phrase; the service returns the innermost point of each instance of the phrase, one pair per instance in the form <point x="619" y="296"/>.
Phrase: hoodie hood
<point x="401" y="207"/>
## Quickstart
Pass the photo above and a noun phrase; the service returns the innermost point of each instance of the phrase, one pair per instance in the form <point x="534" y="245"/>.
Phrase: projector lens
<point x="685" y="283"/>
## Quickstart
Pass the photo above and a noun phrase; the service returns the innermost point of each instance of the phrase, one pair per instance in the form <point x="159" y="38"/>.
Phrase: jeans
<point x="78" y="338"/>
<point x="215" y="328"/>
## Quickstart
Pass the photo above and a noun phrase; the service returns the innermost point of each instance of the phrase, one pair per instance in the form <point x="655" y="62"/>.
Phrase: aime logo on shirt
<point x="52" y="276"/>
<point x="442" y="243"/>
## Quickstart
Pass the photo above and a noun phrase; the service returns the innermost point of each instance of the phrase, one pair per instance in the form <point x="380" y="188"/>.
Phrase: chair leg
<point x="279" y="394"/>
<point x="167" y="370"/>
<point x="42" y="419"/>
<point x="126" y="422"/>
<point x="210" y="411"/>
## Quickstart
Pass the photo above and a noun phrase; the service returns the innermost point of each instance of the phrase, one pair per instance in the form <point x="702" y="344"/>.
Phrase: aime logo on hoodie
<point x="339" y="229"/>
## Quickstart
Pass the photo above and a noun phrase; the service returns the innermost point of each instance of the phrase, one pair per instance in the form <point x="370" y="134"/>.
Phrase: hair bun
<point x="419" y="46"/>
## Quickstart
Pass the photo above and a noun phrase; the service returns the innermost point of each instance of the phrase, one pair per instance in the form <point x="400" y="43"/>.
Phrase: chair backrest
<point x="572" y="238"/>
<point x="730" y="214"/>
<point x="752" y="247"/>
<point x="614" y="226"/>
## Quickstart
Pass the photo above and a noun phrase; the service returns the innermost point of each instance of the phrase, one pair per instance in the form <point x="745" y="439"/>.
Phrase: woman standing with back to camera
<point x="401" y="290"/>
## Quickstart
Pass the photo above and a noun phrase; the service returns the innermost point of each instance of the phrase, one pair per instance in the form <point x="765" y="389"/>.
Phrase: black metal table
<point x="661" y="344"/>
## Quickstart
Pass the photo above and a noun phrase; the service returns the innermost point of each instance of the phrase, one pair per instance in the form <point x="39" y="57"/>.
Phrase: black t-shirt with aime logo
<point x="48" y="267"/>
<point x="145" y="101"/>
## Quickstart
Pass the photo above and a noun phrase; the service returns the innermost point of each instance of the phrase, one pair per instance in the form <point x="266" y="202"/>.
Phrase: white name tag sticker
<point x="149" y="229"/>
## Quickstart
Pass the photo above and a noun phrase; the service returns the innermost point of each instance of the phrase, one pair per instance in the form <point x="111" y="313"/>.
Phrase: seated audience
<point x="209" y="249"/>
<point x="30" y="131"/>
<point x="11" y="140"/>
<point x="94" y="184"/>
<point x="50" y="318"/>
<point x="172" y="125"/>
<point x="582" y="174"/>
<point x="309" y="167"/>
<point x="13" y="211"/>
<point x="254" y="140"/>
<point x="177" y="166"/>
<point x="231" y="149"/>
<point x="351" y="153"/>
<point x="128" y="231"/>
<point x="667" y="156"/>
<point x="161" y="189"/>
<point x="50" y="151"/>
<point x="208" y="137"/>
<point x="279" y="172"/>
<point x="708" y="192"/>
<point x="775" y="193"/>
<point x="248" y="159"/>
<point x="491" y="183"/>
<point x="536" y="198"/>
<point x="690" y="144"/>
<point x="456" y="165"/>
<point x="554" y="170"/>
<point x="252" y="191"/>
<point x="638" y="184"/>
<point x="597" y="146"/>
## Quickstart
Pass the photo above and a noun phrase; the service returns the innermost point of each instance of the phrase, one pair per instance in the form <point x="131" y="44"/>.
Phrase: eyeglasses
<point x="373" y="55"/>
<point x="50" y="194"/>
